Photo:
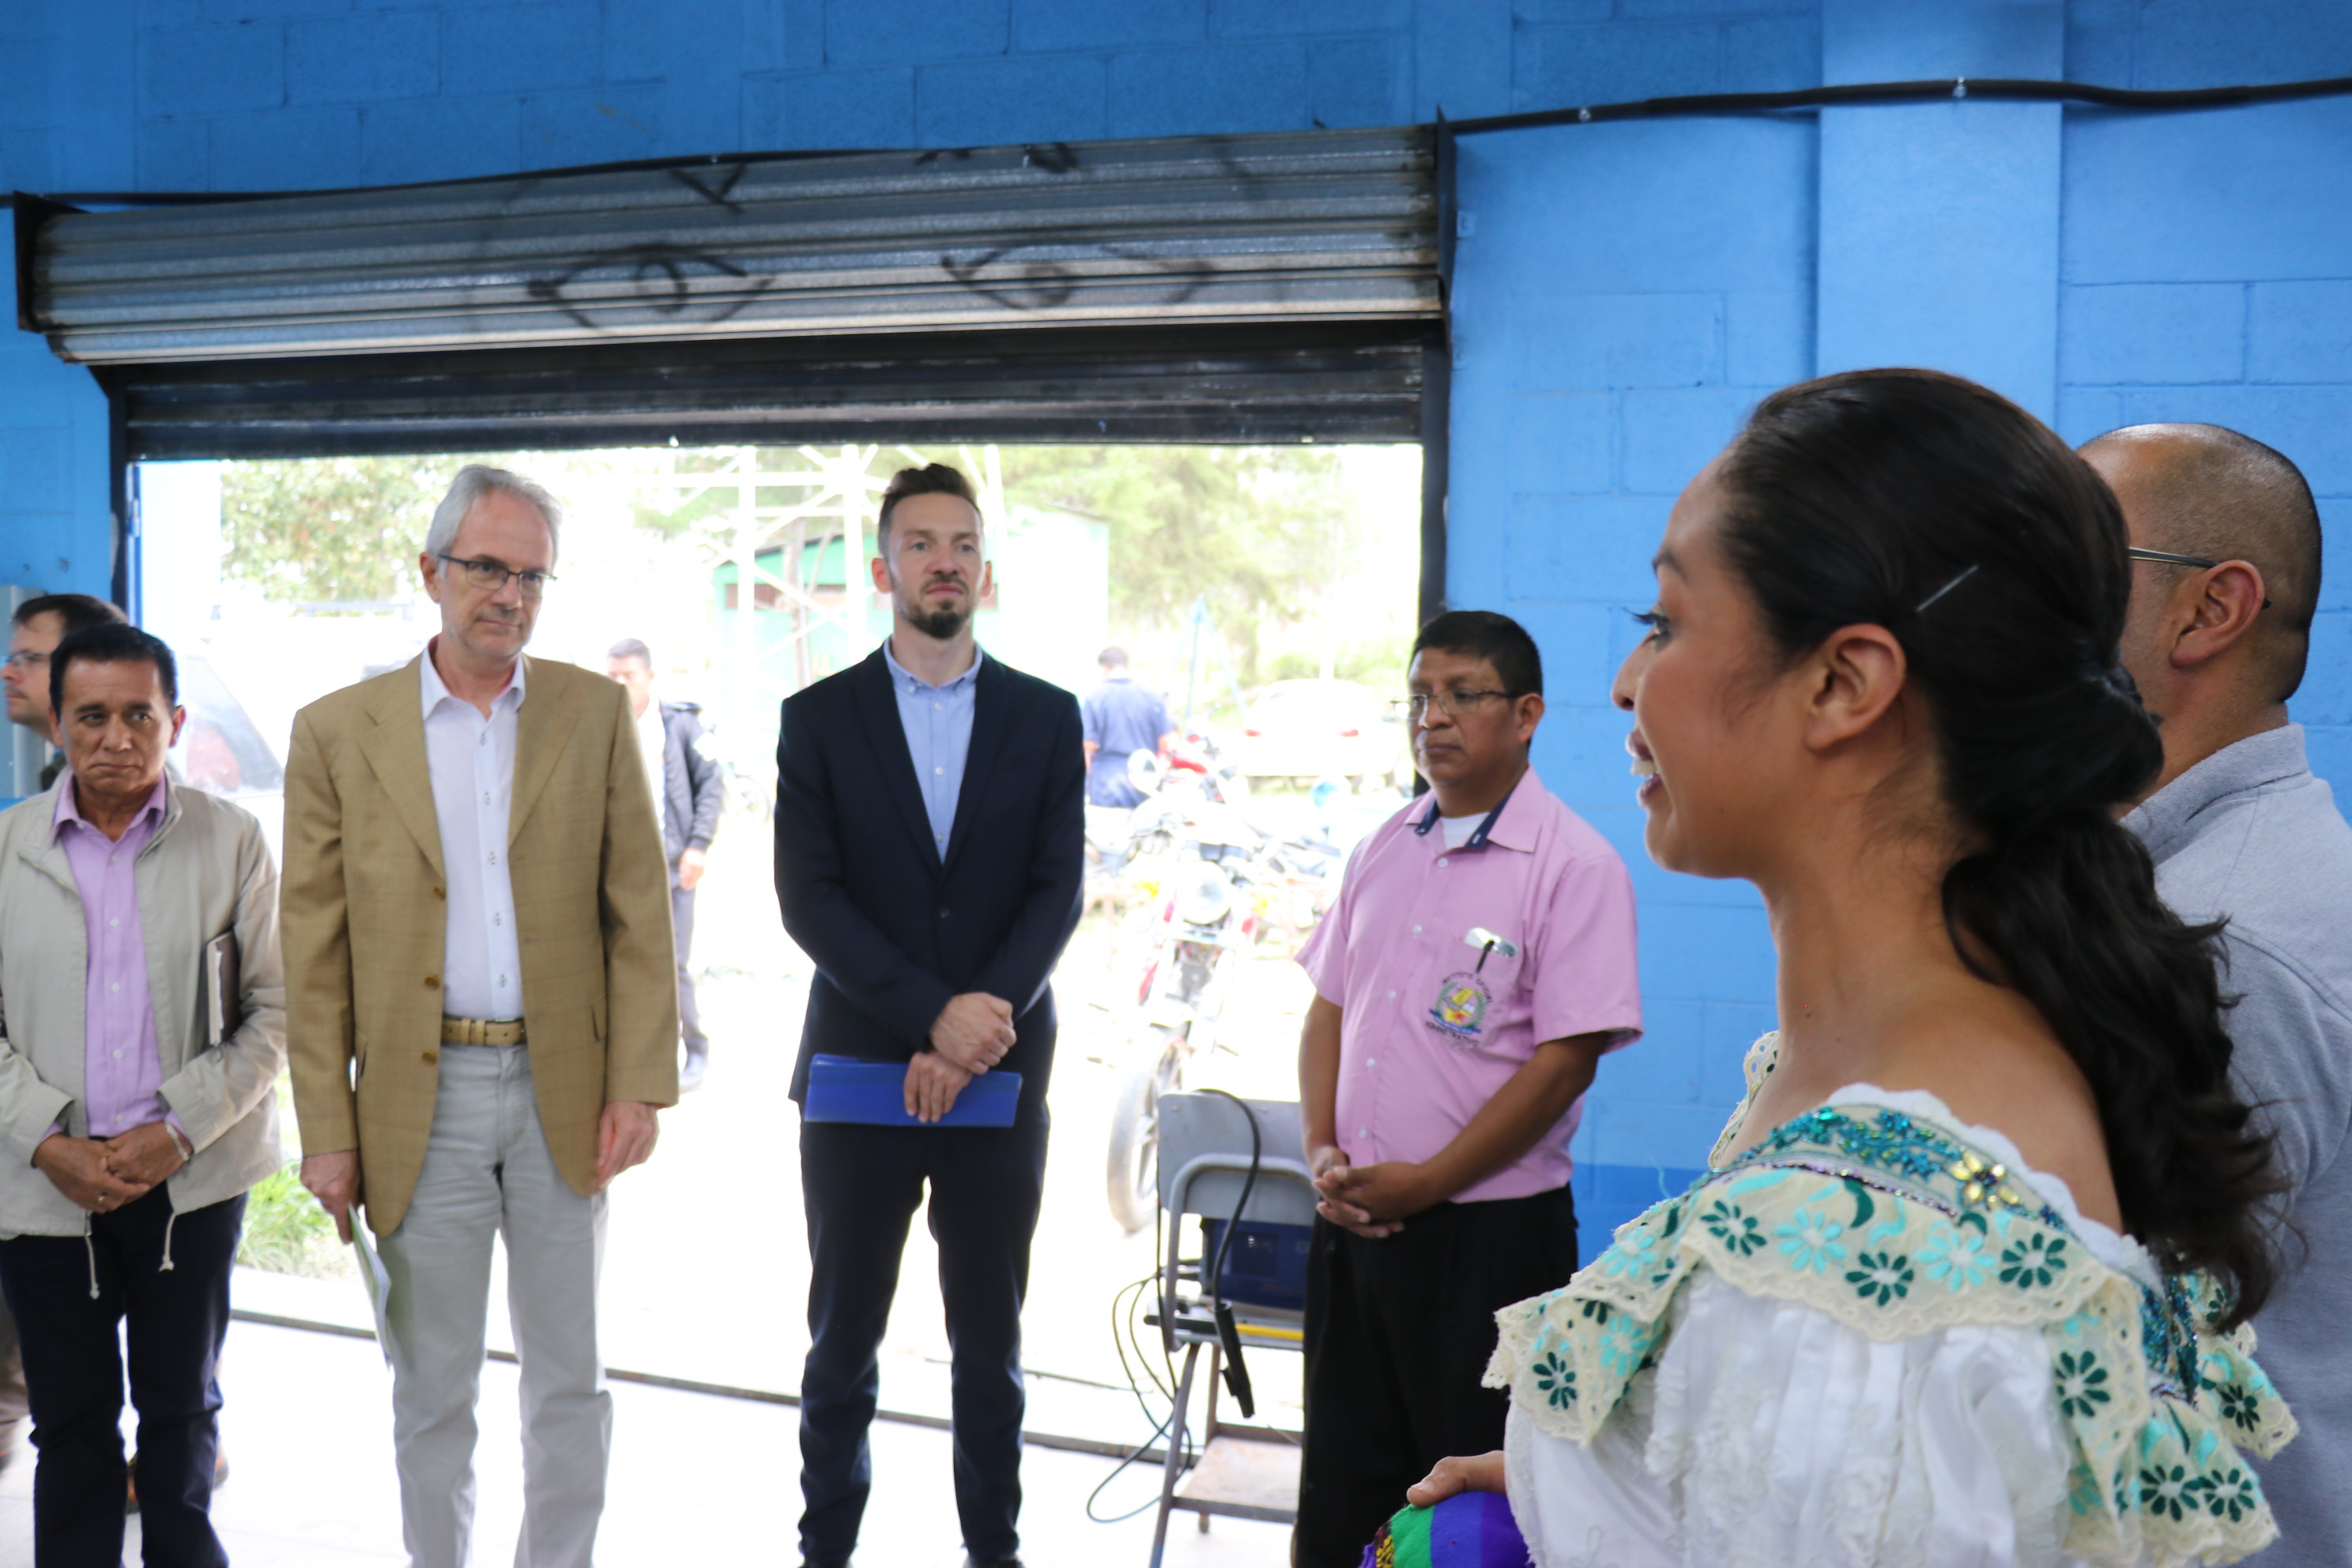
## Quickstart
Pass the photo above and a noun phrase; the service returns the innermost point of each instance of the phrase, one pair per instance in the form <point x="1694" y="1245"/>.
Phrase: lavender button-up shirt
<point x="122" y="1064"/>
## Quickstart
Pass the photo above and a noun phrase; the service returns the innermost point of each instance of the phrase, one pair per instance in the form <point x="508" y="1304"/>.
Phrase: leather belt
<point x="481" y="1031"/>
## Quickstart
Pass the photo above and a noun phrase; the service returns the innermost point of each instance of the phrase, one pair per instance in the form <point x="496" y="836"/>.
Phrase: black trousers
<point x="69" y="1299"/>
<point x="861" y="1187"/>
<point x="681" y="925"/>
<point x="1399" y="1332"/>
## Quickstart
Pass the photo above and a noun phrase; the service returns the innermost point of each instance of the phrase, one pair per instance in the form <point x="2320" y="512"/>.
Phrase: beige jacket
<point x="366" y="908"/>
<point x="205" y="871"/>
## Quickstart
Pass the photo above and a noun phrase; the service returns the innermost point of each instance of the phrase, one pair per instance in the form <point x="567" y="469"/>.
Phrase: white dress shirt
<point x="472" y="763"/>
<point x="651" y="742"/>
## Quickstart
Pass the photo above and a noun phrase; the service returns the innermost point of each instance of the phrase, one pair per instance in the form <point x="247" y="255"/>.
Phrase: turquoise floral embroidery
<point x="1620" y="1260"/>
<point x="1811" y="1240"/>
<point x="2080" y="1384"/>
<point x="1557" y="1379"/>
<point x="1954" y="1259"/>
<point x="2166" y="1490"/>
<point x="1596" y="1310"/>
<point x="1880" y="1275"/>
<point x="2084" y="1494"/>
<point x="2232" y="1494"/>
<point x="1735" y="1227"/>
<point x="1623" y="1344"/>
<point x="2034" y="1262"/>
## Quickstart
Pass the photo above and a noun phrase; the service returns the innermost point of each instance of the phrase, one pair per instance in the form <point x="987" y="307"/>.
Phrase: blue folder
<point x="843" y="1088"/>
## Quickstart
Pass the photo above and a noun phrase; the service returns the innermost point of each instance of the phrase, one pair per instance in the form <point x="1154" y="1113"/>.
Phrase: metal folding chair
<point x="1242" y="1472"/>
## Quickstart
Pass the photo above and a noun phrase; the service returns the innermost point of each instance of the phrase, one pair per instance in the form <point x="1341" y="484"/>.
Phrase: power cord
<point x="1130" y="1296"/>
<point x="1229" y="1337"/>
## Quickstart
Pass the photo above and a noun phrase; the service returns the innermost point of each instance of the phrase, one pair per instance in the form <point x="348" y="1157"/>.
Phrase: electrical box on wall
<point x="24" y="753"/>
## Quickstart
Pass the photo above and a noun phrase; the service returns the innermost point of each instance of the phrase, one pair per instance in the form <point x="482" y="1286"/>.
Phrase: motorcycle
<point x="1196" y="856"/>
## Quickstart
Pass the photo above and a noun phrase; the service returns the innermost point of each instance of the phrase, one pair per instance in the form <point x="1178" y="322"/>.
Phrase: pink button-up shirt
<point x="122" y="1062"/>
<point x="1428" y="1032"/>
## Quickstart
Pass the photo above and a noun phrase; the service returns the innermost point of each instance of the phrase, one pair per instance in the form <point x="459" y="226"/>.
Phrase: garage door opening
<point x="1268" y="592"/>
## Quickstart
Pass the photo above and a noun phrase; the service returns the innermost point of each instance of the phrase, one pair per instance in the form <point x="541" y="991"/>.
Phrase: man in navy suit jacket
<point x="930" y="846"/>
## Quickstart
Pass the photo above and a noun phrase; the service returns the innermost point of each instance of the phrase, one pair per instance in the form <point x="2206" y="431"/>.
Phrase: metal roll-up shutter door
<point x="1290" y="227"/>
<point x="1336" y="382"/>
<point x="1277" y="287"/>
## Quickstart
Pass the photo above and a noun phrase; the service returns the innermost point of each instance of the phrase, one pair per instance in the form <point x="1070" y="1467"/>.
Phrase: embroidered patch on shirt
<point x="1460" y="1010"/>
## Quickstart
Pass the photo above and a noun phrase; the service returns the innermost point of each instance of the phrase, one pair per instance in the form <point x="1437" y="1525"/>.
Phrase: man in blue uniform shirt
<point x="1122" y="716"/>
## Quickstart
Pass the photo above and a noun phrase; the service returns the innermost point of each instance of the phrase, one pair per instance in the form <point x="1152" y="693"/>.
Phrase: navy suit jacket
<point x="895" y="928"/>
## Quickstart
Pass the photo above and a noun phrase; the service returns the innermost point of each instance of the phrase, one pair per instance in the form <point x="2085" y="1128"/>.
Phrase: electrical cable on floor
<point x="1150" y="1502"/>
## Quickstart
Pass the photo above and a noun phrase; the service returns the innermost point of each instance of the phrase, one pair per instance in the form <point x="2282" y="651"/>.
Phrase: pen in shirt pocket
<point x="1489" y="944"/>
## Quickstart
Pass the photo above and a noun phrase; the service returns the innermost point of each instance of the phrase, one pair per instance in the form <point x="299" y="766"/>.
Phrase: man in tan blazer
<point x="481" y="1012"/>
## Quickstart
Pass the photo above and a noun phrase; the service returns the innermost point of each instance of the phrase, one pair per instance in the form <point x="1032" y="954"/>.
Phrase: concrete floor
<point x="695" y="1479"/>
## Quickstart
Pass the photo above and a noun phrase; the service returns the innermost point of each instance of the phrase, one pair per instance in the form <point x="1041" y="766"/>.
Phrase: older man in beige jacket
<point x="136" y="1103"/>
<point x="481" y="1007"/>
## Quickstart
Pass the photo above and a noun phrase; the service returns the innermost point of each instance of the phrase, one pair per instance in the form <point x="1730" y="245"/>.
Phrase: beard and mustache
<point x="941" y="624"/>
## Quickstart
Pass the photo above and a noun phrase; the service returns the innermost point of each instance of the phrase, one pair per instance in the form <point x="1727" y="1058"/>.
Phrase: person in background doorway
<point x="130" y="1130"/>
<point x="930" y="844"/>
<point x="482" y="997"/>
<point x="1478" y="965"/>
<point x="35" y="630"/>
<point x="2224" y="581"/>
<point x="689" y="792"/>
<point x="1121" y="716"/>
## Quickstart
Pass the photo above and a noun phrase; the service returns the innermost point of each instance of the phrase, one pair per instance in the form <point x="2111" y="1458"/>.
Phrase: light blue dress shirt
<point x="938" y="722"/>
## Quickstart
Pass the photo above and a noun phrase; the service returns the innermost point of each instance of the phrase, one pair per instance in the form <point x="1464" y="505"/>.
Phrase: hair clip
<point x="1921" y="608"/>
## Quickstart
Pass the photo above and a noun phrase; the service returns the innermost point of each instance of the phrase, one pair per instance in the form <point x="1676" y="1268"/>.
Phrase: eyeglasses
<point x="491" y="575"/>
<point x="27" y="658"/>
<point x="1453" y="704"/>
<point x="2167" y="558"/>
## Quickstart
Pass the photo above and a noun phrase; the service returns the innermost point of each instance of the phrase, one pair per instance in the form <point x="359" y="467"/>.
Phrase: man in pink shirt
<point x="1478" y="965"/>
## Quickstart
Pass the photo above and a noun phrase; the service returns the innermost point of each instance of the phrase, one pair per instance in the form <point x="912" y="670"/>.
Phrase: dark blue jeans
<point x="861" y="1185"/>
<point x="71" y="1300"/>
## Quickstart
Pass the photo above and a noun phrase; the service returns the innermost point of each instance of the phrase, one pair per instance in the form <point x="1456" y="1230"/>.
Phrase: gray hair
<point x="630" y="647"/>
<point x="476" y="480"/>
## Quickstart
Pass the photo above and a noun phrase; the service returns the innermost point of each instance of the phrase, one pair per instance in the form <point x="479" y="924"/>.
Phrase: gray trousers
<point x="488" y="1175"/>
<point x="681" y="926"/>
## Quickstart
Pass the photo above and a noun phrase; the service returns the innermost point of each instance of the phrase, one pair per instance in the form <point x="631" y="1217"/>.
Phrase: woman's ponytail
<point x="2133" y="995"/>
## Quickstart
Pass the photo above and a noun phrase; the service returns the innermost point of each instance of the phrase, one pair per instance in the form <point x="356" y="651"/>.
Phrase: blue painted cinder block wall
<point x="1623" y="292"/>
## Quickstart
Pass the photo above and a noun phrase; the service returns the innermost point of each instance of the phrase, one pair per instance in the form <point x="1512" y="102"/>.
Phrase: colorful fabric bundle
<point x="1469" y="1530"/>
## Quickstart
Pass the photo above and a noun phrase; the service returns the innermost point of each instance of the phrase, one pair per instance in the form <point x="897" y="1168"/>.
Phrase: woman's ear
<point x="1854" y="677"/>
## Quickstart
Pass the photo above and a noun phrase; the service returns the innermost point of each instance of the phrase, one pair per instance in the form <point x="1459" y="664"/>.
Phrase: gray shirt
<point x="2250" y="833"/>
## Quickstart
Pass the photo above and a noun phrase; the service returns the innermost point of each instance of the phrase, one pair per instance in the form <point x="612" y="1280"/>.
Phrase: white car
<point x="220" y="750"/>
<point x="1308" y="729"/>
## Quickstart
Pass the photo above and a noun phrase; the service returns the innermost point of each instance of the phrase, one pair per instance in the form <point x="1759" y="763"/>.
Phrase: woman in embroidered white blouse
<point x="1963" y="1285"/>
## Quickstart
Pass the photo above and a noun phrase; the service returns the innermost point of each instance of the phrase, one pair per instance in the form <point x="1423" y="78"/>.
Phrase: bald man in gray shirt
<point x="2225" y="581"/>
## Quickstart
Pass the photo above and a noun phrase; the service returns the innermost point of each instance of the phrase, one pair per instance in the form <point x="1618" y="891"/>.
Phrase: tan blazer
<point x="365" y="911"/>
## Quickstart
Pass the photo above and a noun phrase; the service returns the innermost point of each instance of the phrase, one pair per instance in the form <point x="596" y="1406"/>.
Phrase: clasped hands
<point x="971" y="1036"/>
<point x="1373" y="1201"/>
<point x="102" y="1175"/>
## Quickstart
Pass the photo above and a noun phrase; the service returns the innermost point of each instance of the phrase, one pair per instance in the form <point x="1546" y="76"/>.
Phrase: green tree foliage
<point x="330" y="529"/>
<point x="1256" y="530"/>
